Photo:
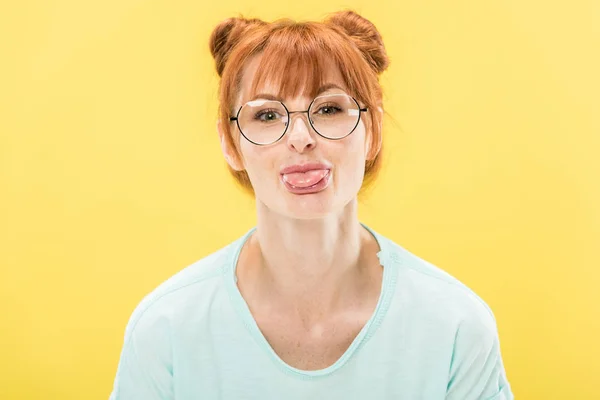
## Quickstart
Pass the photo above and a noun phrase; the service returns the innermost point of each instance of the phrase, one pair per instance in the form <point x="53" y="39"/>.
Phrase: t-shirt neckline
<point x="390" y="272"/>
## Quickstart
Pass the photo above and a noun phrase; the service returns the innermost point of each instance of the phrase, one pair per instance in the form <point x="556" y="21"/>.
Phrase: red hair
<point x="300" y="50"/>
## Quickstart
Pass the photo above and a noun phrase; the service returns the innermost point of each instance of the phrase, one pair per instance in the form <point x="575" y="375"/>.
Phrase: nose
<point x="300" y="136"/>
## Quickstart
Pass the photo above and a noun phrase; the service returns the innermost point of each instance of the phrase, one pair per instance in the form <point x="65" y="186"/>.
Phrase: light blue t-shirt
<point x="430" y="337"/>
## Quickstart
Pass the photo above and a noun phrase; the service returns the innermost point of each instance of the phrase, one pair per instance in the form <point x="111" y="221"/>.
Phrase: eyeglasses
<point x="332" y="116"/>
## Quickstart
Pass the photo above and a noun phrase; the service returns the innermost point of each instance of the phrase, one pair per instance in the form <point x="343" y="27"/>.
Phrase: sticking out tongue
<point x="305" y="179"/>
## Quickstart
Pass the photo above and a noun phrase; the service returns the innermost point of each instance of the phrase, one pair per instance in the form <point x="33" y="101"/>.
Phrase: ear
<point x="368" y="155"/>
<point x="228" y="152"/>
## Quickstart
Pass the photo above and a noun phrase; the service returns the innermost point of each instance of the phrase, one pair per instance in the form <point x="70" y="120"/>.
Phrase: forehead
<point x="293" y="80"/>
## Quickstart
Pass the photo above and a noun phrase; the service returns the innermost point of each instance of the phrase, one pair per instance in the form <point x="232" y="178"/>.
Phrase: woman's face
<point x="287" y="194"/>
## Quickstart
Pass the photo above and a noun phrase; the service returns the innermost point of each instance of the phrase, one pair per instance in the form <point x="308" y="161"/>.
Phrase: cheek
<point x="258" y="163"/>
<point x="356" y="147"/>
<point x="349" y="159"/>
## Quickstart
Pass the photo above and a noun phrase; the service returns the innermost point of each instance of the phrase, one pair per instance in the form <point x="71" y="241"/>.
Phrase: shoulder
<point x="190" y="288"/>
<point x="434" y="293"/>
<point x="452" y="323"/>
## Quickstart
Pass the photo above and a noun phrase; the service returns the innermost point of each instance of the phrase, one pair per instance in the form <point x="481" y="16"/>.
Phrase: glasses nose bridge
<point x="307" y="122"/>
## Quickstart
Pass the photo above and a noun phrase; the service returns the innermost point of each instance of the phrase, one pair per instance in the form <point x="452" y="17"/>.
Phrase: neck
<point x="311" y="266"/>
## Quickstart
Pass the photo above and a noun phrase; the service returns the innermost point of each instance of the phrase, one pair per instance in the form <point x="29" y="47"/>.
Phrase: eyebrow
<point x="268" y="96"/>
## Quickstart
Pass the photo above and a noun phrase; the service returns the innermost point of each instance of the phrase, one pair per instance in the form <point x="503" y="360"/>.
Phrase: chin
<point x="309" y="206"/>
<point x="314" y="206"/>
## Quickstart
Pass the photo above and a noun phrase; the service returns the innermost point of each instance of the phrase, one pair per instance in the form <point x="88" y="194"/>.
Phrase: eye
<point x="267" y="115"/>
<point x="328" y="109"/>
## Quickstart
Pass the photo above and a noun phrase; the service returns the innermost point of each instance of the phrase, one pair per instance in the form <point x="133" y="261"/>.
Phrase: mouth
<point x="308" y="182"/>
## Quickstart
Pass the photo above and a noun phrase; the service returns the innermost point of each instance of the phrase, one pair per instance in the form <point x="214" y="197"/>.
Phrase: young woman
<point x="310" y="303"/>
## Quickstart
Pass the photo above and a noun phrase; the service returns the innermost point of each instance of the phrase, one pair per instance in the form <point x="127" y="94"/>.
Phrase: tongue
<point x="305" y="179"/>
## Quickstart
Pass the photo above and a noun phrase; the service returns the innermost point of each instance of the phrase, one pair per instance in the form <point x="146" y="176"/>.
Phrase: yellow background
<point x="111" y="177"/>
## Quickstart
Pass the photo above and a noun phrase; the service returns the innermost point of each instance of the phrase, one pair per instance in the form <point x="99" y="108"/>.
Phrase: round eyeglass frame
<point x="287" y="125"/>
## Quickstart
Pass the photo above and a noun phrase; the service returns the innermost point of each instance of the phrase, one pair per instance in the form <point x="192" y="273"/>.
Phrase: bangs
<point x="295" y="60"/>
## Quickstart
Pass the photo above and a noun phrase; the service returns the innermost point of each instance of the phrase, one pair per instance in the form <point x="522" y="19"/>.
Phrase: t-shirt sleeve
<point x="477" y="371"/>
<point x="145" y="368"/>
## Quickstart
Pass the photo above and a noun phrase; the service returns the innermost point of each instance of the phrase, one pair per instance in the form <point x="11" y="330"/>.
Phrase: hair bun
<point x="226" y="35"/>
<point x="365" y="35"/>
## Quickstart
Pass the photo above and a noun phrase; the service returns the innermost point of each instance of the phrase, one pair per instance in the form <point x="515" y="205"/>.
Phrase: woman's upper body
<point x="310" y="302"/>
<point x="429" y="337"/>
